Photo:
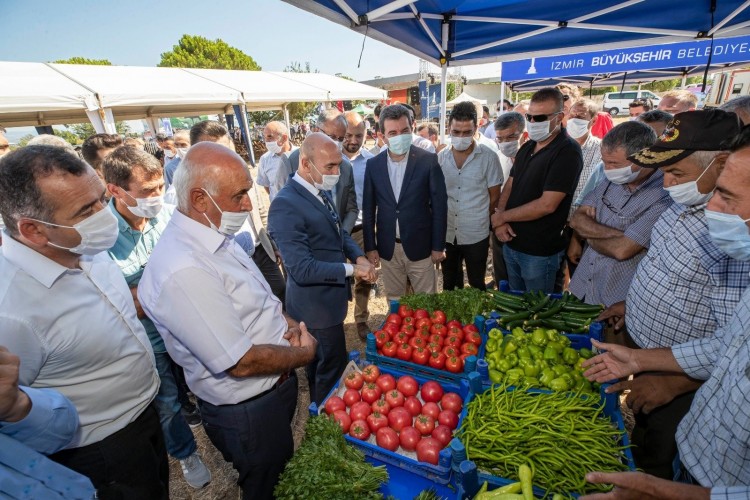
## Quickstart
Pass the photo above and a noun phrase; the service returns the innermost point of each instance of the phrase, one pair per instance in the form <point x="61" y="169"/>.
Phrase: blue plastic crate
<point x="405" y="485"/>
<point x="471" y="478"/>
<point x="440" y="473"/>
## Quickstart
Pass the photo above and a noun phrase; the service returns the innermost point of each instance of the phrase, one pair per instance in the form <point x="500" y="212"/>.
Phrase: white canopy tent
<point x="464" y="97"/>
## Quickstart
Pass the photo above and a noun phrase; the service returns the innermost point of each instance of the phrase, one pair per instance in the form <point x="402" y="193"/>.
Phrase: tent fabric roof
<point x="464" y="97"/>
<point x="462" y="32"/>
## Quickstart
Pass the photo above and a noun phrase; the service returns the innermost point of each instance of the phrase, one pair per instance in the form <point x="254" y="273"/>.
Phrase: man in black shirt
<point x="534" y="204"/>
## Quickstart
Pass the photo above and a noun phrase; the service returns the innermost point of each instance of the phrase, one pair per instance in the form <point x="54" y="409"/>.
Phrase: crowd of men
<point x="135" y="279"/>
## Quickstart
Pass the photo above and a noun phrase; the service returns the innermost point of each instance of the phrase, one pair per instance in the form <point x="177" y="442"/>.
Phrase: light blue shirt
<point x="596" y="176"/>
<point x="359" y="165"/>
<point x="131" y="252"/>
<point x="169" y="170"/>
<point x="49" y="427"/>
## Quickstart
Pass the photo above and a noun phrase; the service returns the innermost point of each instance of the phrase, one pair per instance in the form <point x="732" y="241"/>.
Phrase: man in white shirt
<point x="67" y="312"/>
<point x="221" y="322"/>
<point x="276" y="137"/>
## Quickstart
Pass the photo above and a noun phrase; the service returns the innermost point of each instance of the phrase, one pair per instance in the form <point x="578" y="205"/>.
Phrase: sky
<point x="136" y="32"/>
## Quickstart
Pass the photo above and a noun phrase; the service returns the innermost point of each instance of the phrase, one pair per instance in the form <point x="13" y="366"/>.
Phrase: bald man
<point x="276" y="137"/>
<point x="315" y="247"/>
<point x="181" y="144"/>
<point x="221" y="322"/>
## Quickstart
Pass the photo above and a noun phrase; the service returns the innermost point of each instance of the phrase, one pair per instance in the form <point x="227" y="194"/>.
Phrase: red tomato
<point x="386" y="382"/>
<point x="420" y="355"/>
<point x="417" y="342"/>
<point x="453" y="341"/>
<point x="433" y="347"/>
<point x="452" y="323"/>
<point x="448" y="350"/>
<point x="437" y="339"/>
<point x="387" y="438"/>
<point x="474" y="337"/>
<point x="431" y="392"/>
<point x="424" y="424"/>
<point x="376" y="421"/>
<point x="370" y="373"/>
<point x="408" y="329"/>
<point x="424" y="333"/>
<point x="428" y="450"/>
<point x="401" y="338"/>
<point x="394" y="318"/>
<point x="422" y="322"/>
<point x="360" y="410"/>
<point x="404" y="352"/>
<point x="413" y="405"/>
<point x="438" y="329"/>
<point x="405" y="311"/>
<point x="389" y="349"/>
<point x="354" y="380"/>
<point x="438" y="317"/>
<point x="451" y="401"/>
<point x="399" y="418"/>
<point x="469" y="348"/>
<point x="455" y="331"/>
<point x="421" y="313"/>
<point x="343" y="419"/>
<point x="431" y="410"/>
<point x="381" y="337"/>
<point x="351" y="396"/>
<point x="454" y="364"/>
<point x="448" y="418"/>
<point x="407" y="385"/>
<point x="409" y="437"/>
<point x="334" y="404"/>
<point x="381" y="406"/>
<point x="443" y="434"/>
<point x="360" y="430"/>
<point x="409" y="320"/>
<point x="471" y="327"/>
<point x="391" y="328"/>
<point x="371" y="393"/>
<point x="394" y="398"/>
<point x="437" y="360"/>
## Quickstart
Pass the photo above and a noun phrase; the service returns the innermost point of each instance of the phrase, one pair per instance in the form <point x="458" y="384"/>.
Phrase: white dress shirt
<point x="76" y="331"/>
<point x="396" y="172"/>
<point x="211" y="304"/>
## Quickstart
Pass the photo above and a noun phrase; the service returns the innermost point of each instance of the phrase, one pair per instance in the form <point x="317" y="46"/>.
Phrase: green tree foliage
<point x="23" y="141"/>
<point x="194" y="51"/>
<point x="260" y="118"/>
<point x="68" y="136"/>
<point x="84" y="60"/>
<point x="84" y="130"/>
<point x="665" y="85"/>
<point x="298" y="111"/>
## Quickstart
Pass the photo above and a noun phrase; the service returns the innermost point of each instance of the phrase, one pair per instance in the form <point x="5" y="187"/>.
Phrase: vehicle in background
<point x="616" y="103"/>
<point x="727" y="85"/>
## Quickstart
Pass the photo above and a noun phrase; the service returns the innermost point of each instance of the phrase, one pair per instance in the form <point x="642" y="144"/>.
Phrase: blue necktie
<point x="329" y="205"/>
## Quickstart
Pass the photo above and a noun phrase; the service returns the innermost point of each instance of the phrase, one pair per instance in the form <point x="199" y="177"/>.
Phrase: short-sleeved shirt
<point x="211" y="304"/>
<point x="131" y="252"/>
<point x="468" y="196"/>
<point x="600" y="279"/>
<point x="359" y="165"/>
<point x="556" y="167"/>
<point x="268" y="171"/>
<point x="685" y="287"/>
<point x="592" y="155"/>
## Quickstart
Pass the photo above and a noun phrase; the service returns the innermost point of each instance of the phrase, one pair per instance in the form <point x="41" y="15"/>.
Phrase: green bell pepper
<point x="491" y="345"/>
<point x="559" y="384"/>
<point x="585" y="353"/>
<point x="495" y="334"/>
<point x="550" y="354"/>
<point x="547" y="376"/>
<point x="570" y="356"/>
<point x="496" y="377"/>
<point x="538" y="337"/>
<point x="514" y="375"/>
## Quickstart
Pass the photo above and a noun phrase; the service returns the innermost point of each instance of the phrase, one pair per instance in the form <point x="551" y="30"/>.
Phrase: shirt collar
<point x="209" y="238"/>
<point x="43" y="269"/>
<point x="123" y="225"/>
<point x="304" y="183"/>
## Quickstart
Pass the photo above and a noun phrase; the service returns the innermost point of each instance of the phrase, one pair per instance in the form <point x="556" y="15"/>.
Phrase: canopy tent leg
<point x="684" y="80"/>
<point x="240" y="114"/>
<point x="286" y="117"/>
<point x="153" y="125"/>
<point x="639" y="86"/>
<point x="502" y="88"/>
<point x="443" y="100"/>
<point x="624" y="77"/>
<point x="102" y="120"/>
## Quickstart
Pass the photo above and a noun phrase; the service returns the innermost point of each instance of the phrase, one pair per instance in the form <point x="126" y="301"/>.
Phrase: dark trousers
<point x="270" y="270"/>
<point x="499" y="271"/>
<point x="255" y="436"/>
<point x="330" y="360"/>
<point x="475" y="256"/>
<point x="653" y="436"/>
<point x="131" y="463"/>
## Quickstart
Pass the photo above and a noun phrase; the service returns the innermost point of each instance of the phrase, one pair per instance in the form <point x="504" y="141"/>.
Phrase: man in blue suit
<point x="404" y="208"/>
<point x="315" y="247"/>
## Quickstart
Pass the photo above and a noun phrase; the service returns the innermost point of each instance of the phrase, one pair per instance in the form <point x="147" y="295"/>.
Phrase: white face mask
<point x="231" y="222"/>
<point x="623" y="175"/>
<point x="181" y="152"/>
<point x="577" y="127"/>
<point x="509" y="149"/>
<point x="98" y="233"/>
<point x="400" y="144"/>
<point x="168" y="154"/>
<point x="329" y="180"/>
<point x="461" y="143"/>
<point x="540" y="131"/>
<point x="687" y="193"/>
<point x="730" y="233"/>
<point x="147" y="207"/>
<point x="273" y="147"/>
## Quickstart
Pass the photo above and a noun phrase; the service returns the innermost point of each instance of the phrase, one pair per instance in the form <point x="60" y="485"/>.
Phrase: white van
<point x="617" y="102"/>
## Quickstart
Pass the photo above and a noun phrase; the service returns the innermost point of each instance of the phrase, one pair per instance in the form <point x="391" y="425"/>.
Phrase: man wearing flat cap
<point x="686" y="287"/>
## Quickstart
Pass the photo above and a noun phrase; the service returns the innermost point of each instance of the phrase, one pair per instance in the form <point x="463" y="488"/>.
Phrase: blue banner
<point x="429" y="100"/>
<point x="674" y="55"/>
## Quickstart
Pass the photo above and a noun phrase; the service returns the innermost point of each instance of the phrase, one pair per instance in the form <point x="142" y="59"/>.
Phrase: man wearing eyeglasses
<point x="533" y="207"/>
<point x="616" y="218"/>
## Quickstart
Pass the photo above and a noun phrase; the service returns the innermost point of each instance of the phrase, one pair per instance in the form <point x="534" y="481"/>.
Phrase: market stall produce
<point x="535" y="309"/>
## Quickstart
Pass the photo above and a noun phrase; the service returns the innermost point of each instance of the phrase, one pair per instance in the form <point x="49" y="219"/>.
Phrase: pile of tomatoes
<point x="427" y="339"/>
<point x="399" y="413"/>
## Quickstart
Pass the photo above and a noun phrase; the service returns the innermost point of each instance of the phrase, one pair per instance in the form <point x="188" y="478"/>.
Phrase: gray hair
<point x="185" y="179"/>
<point x="330" y="116"/>
<point x="740" y="106"/>
<point x="51" y="140"/>
<point x="280" y="126"/>
<point x="632" y="136"/>
<point x="590" y="106"/>
<point x="704" y="158"/>
<point x="510" y="119"/>
<point x="394" y="112"/>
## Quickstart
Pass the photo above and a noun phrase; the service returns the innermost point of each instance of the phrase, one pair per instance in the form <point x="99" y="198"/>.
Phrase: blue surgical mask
<point x="730" y="233"/>
<point x="400" y="144"/>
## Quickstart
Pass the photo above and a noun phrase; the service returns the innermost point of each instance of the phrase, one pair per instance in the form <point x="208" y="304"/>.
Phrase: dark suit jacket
<point x="313" y="249"/>
<point x="346" y="196"/>
<point x="421" y="210"/>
